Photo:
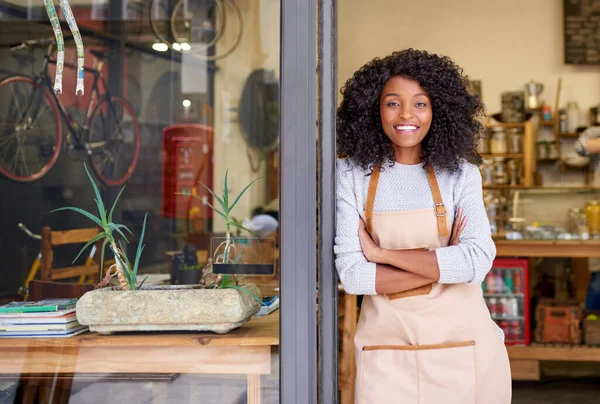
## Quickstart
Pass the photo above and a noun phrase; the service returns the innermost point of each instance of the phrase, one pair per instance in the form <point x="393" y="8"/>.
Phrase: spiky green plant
<point x="230" y="252"/>
<point x="110" y="232"/>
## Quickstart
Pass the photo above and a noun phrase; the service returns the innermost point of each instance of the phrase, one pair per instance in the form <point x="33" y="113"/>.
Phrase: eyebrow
<point x="396" y="95"/>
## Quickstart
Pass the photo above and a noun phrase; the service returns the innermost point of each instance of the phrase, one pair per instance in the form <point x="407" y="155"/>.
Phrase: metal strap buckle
<point x="441" y="212"/>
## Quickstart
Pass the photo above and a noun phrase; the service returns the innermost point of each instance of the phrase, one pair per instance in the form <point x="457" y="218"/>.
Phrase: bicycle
<point x="31" y="141"/>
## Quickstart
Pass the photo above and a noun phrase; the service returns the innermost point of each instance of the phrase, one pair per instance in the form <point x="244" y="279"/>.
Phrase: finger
<point x="462" y="225"/>
<point x="457" y="220"/>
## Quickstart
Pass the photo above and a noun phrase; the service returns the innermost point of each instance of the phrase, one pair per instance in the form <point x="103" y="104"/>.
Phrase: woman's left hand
<point x="370" y="249"/>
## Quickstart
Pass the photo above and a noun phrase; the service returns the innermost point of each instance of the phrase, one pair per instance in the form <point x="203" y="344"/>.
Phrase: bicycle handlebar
<point x="32" y="43"/>
<point x="29" y="232"/>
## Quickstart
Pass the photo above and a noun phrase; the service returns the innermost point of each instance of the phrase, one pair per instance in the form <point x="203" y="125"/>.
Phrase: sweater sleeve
<point x="356" y="273"/>
<point x="472" y="258"/>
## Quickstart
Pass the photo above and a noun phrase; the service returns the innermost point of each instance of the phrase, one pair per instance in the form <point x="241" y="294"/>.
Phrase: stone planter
<point x="167" y="308"/>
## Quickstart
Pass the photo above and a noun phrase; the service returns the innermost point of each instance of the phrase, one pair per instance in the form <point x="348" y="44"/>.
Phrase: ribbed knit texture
<point x="405" y="187"/>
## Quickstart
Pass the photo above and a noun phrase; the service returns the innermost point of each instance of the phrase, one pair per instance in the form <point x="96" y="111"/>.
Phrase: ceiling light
<point x="160" y="47"/>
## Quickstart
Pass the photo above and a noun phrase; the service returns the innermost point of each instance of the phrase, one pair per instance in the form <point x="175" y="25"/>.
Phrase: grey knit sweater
<point x="405" y="187"/>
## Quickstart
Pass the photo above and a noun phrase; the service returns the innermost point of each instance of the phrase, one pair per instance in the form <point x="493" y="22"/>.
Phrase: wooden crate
<point x="591" y="329"/>
<point x="558" y="322"/>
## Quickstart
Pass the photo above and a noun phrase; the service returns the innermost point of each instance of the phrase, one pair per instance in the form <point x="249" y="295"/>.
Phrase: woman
<point x="407" y="128"/>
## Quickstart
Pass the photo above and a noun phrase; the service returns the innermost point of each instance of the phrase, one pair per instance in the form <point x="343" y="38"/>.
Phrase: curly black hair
<point x="455" y="126"/>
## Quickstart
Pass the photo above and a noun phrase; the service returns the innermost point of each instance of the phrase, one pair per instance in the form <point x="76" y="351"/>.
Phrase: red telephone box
<point x="187" y="164"/>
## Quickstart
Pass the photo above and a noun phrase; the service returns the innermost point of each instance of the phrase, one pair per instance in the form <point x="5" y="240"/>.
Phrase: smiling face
<point x="406" y="114"/>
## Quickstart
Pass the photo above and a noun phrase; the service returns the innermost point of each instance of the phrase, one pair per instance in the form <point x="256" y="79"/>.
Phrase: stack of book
<point x="270" y="303"/>
<point x="44" y="318"/>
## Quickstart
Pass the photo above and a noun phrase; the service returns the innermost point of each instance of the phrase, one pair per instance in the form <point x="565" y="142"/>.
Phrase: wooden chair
<point x="39" y="290"/>
<point x="52" y="239"/>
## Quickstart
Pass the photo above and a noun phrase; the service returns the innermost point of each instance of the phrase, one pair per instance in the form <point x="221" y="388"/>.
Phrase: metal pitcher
<point x="533" y="94"/>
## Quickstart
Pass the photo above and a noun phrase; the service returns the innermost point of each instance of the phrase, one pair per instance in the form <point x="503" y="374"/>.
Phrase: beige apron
<point x="432" y="345"/>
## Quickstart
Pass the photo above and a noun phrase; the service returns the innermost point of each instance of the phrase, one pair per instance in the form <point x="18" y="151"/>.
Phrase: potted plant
<point x="233" y="254"/>
<point x="129" y="305"/>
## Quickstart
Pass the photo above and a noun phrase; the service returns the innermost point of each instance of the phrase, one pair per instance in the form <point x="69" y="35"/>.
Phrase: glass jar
<point x="574" y="220"/>
<point x="583" y="229"/>
<point x="542" y="150"/>
<point x="512" y="168"/>
<point x="500" y="174"/>
<point x="515" y="141"/>
<point x="487" y="172"/>
<point x="592" y="214"/>
<point x="483" y="144"/>
<point x="498" y="141"/>
<point x="552" y="150"/>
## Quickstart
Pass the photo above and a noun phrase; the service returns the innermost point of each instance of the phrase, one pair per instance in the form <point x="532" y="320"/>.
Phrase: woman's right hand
<point x="459" y="224"/>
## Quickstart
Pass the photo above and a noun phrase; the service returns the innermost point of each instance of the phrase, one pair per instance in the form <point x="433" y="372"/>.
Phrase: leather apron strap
<point x="439" y="208"/>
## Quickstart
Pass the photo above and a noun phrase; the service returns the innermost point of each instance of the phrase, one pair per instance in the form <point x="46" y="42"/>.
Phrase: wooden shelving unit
<point x="528" y="155"/>
<point x="558" y="138"/>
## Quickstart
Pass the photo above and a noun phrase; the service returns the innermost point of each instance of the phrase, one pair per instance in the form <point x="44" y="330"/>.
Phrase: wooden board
<point x="73" y="236"/>
<point x="525" y="369"/>
<point x="120" y="359"/>
<point x="578" y="353"/>
<point x="259" y="331"/>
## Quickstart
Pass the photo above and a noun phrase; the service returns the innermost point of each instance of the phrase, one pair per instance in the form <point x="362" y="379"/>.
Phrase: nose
<point x="406" y="112"/>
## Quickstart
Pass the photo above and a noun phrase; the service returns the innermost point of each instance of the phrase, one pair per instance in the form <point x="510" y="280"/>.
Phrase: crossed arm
<point x="399" y="271"/>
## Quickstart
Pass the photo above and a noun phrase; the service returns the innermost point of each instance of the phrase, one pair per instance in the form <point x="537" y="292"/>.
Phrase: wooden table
<point x="548" y="248"/>
<point x="246" y="350"/>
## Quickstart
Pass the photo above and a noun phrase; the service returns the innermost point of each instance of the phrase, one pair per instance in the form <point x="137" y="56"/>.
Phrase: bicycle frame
<point x="44" y="78"/>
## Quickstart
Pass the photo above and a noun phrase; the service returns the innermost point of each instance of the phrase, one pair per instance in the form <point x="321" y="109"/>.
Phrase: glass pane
<point x="178" y="129"/>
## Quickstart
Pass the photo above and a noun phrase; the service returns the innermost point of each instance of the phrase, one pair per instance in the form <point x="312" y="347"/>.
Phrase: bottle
<point x="490" y="283"/>
<point x="517" y="288"/>
<point x="562" y="121"/>
<point x="493" y="307"/>
<point x="572" y="116"/>
<point x="592" y="214"/>
<point x="513" y="307"/>
<point x="499" y="282"/>
<point x="505" y="328"/>
<point x="515" y="331"/>
<point x="508" y="281"/>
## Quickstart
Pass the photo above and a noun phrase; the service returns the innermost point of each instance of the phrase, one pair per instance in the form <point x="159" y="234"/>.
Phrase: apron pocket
<point x="387" y="375"/>
<point x="420" y="374"/>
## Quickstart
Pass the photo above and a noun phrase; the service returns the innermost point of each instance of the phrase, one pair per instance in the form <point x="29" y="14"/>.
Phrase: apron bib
<point x="430" y="345"/>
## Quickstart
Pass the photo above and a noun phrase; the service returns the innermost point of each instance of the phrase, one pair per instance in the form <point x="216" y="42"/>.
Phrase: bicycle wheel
<point x="114" y="141"/>
<point x="30" y="129"/>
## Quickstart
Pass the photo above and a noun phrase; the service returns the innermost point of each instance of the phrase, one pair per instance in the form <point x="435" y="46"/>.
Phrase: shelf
<point x="572" y="135"/>
<point x="507" y="125"/>
<point x="547" y="123"/>
<point x="504" y="187"/>
<point x="555" y="353"/>
<point x="504" y="155"/>
<point x="566" y="165"/>
<point x="555" y="190"/>
<point x="548" y="248"/>
<point x="548" y="160"/>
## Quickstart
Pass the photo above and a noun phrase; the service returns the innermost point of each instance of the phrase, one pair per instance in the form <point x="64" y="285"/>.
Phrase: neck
<point x="408" y="155"/>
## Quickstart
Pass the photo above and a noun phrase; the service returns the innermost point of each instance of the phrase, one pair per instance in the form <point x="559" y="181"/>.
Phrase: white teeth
<point x="406" y="127"/>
